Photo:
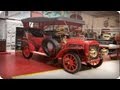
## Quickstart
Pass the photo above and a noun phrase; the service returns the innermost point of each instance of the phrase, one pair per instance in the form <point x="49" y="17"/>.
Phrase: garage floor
<point x="15" y="64"/>
<point x="108" y="70"/>
<point x="16" y="67"/>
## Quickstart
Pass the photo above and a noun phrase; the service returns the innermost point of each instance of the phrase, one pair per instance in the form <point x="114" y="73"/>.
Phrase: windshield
<point x="71" y="31"/>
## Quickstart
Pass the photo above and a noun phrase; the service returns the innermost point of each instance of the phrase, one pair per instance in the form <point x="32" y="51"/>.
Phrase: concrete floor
<point x="118" y="77"/>
<point x="108" y="70"/>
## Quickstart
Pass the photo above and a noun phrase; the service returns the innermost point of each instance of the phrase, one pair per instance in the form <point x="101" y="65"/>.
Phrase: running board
<point x="39" y="53"/>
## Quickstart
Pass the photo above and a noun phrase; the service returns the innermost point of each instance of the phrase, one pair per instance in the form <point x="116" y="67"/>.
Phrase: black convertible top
<point x="58" y="20"/>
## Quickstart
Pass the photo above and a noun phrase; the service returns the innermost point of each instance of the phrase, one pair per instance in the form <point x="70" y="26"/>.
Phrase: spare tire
<point x="50" y="46"/>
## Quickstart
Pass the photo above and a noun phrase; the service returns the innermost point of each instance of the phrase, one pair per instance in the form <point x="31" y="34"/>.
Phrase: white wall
<point x="11" y="34"/>
<point x="98" y="23"/>
<point x="18" y="14"/>
<point x="88" y="20"/>
<point x="112" y="21"/>
<point x="2" y="14"/>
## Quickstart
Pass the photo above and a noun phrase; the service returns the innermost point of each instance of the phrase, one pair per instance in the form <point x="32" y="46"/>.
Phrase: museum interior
<point x="59" y="44"/>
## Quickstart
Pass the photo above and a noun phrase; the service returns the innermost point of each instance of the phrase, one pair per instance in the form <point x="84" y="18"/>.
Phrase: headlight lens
<point x="104" y="51"/>
<point x="106" y="36"/>
<point x="93" y="51"/>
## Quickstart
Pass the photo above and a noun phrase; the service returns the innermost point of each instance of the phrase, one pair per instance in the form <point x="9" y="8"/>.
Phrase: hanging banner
<point x="52" y="14"/>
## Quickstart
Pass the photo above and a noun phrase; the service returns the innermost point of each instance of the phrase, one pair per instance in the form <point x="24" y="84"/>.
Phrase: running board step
<point x="39" y="53"/>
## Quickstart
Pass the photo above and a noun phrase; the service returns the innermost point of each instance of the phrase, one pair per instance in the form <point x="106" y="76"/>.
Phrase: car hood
<point x="80" y="41"/>
<point x="92" y="42"/>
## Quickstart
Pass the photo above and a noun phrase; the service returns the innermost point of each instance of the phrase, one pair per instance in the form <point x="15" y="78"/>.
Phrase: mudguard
<point x="29" y="43"/>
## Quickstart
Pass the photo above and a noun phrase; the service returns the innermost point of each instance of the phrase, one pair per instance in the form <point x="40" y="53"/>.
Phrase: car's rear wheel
<point x="71" y="62"/>
<point x="50" y="46"/>
<point x="26" y="52"/>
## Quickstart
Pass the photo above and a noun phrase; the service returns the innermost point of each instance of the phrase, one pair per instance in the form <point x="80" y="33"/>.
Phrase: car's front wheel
<point x="95" y="63"/>
<point x="71" y="62"/>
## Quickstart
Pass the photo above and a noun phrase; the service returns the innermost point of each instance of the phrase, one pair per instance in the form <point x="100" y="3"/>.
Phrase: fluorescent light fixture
<point x="1" y="12"/>
<point x="119" y="12"/>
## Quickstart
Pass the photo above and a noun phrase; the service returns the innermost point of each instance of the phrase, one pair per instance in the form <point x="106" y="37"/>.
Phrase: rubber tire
<point x="30" y="55"/>
<point x="99" y="64"/>
<point x="77" y="59"/>
<point x="55" y="44"/>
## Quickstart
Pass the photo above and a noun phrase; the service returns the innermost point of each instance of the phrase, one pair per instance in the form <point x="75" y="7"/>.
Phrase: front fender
<point x="31" y="46"/>
<point x="29" y="43"/>
<point x="63" y="51"/>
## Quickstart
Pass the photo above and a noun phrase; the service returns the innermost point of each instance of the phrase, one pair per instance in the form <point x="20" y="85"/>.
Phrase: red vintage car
<point x="55" y="38"/>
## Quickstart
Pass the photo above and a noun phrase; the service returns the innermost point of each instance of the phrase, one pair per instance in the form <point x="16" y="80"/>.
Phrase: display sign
<point x="52" y="14"/>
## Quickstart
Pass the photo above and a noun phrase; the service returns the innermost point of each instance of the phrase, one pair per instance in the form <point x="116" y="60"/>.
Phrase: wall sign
<point x="106" y="23"/>
<point x="51" y="14"/>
